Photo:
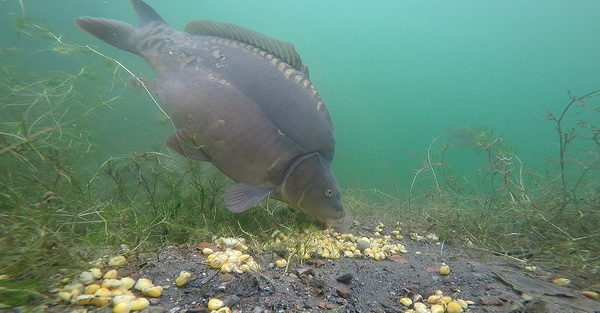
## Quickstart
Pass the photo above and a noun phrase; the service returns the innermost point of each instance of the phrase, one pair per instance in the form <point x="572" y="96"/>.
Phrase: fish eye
<point x="328" y="193"/>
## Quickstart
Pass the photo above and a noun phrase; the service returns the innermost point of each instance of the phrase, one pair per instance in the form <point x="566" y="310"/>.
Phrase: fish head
<point x="309" y="185"/>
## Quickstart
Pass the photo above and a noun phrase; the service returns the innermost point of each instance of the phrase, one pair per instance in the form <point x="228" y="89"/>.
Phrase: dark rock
<point x="231" y="300"/>
<point x="345" y="278"/>
<point x="318" y="283"/>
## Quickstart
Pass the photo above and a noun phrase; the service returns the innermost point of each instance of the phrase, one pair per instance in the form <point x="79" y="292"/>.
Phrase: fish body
<point x="242" y="101"/>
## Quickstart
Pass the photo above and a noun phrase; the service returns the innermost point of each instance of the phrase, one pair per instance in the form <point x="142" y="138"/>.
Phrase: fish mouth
<point x="340" y="224"/>
<point x="327" y="219"/>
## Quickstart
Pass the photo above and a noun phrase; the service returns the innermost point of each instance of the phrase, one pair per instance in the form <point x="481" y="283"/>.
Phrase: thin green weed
<point x="545" y="218"/>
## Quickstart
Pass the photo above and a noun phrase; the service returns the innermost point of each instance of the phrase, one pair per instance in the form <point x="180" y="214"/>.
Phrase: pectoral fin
<point x="241" y="197"/>
<point x="185" y="145"/>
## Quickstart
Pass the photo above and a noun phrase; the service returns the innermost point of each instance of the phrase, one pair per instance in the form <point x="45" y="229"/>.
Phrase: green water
<point x="394" y="74"/>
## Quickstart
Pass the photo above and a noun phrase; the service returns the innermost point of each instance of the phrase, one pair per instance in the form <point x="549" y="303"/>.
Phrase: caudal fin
<point x="113" y="32"/>
<point x="118" y="33"/>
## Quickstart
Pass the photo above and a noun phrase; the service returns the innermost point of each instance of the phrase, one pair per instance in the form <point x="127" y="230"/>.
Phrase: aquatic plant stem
<point x="427" y="166"/>
<point x="437" y="185"/>
<point x="564" y="139"/>
<point x="22" y="7"/>
<point x="138" y="80"/>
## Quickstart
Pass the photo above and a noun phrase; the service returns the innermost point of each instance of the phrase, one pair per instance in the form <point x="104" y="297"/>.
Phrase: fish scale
<point x="242" y="101"/>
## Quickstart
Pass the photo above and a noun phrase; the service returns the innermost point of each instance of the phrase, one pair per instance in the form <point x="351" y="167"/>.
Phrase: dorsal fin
<point x="146" y="13"/>
<point x="281" y="49"/>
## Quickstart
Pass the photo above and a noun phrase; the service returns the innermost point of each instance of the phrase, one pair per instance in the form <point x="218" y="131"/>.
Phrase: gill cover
<point x="309" y="185"/>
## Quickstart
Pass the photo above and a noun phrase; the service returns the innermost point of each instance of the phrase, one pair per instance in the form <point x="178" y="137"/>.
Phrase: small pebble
<point x="231" y="300"/>
<point x="346" y="278"/>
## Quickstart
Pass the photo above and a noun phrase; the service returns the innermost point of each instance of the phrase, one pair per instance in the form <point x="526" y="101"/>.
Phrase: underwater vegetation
<point x="60" y="207"/>
<point x="57" y="205"/>
<point x="547" y="217"/>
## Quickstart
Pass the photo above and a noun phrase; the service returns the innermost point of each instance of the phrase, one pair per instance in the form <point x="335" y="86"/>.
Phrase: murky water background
<point x="394" y="74"/>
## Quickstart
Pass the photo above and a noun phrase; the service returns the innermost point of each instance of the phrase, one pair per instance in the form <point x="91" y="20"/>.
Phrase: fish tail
<point x="113" y="32"/>
<point x="120" y="34"/>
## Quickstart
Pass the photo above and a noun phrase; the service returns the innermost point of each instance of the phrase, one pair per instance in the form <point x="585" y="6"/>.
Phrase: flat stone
<point x="490" y="300"/>
<point x="344" y="292"/>
<point x="398" y="259"/>
<point x="318" y="262"/>
<point x="431" y="269"/>
<point x="305" y="279"/>
<point x="304" y="271"/>
<point x="326" y="305"/>
<point x="205" y="244"/>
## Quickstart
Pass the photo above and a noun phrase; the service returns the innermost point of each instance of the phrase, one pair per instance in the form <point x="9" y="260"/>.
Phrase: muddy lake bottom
<point x="493" y="283"/>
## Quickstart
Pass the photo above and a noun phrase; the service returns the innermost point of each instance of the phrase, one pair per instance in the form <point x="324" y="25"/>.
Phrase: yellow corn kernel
<point x="65" y="296"/>
<point x="406" y="301"/>
<point x="101" y="301"/>
<point x="139" y="304"/>
<point x="446" y="299"/>
<point x="152" y="291"/>
<point x="112" y="274"/>
<point x="96" y="272"/>
<point x="117" y="261"/>
<point x="124" y="307"/>
<point x="224" y="309"/>
<point x="454" y="307"/>
<point x="215" y="304"/>
<point x="562" y="282"/>
<point x="437" y="308"/>
<point x="143" y="283"/>
<point x="433" y="299"/>
<point x="591" y="294"/>
<point x="111" y="283"/>
<point x="90" y="289"/>
<point x="444" y="270"/>
<point x="83" y="299"/>
<point x="127" y="282"/>
<point x="281" y="263"/>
